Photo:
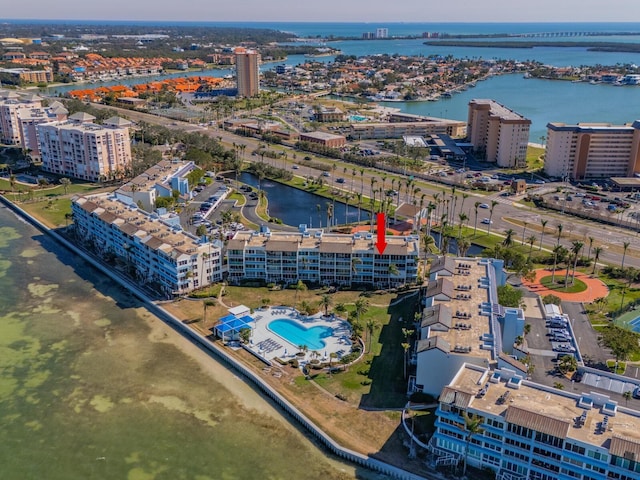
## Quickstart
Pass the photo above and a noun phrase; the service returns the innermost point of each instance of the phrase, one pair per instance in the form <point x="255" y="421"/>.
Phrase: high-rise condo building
<point x="79" y="148"/>
<point x="592" y="150"/>
<point x="247" y="72"/>
<point x="498" y="134"/>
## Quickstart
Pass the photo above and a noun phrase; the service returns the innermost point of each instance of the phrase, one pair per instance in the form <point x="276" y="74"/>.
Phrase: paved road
<point x="505" y="208"/>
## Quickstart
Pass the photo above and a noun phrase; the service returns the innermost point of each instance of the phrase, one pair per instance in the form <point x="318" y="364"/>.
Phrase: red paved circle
<point x="595" y="287"/>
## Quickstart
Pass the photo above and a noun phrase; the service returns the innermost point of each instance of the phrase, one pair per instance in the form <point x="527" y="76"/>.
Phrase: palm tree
<point x="300" y="286"/>
<point x="362" y="306"/>
<point x="405" y="346"/>
<point x="524" y="231"/>
<point x="544" y="224"/>
<point x="462" y="217"/>
<point x="625" y="246"/>
<point x="531" y="240"/>
<point x="493" y="204"/>
<point x="596" y="255"/>
<point x="463" y="247"/>
<point x="427" y="241"/>
<point x="12" y="182"/>
<point x="475" y="223"/>
<point x="472" y="426"/>
<point x="575" y="250"/>
<point x="508" y="239"/>
<point x="591" y="239"/>
<point x="556" y="250"/>
<point x="560" y="228"/>
<point x="329" y="214"/>
<point x="393" y="271"/>
<point x="326" y="301"/>
<point x="371" y="327"/>
<point x="319" y="209"/>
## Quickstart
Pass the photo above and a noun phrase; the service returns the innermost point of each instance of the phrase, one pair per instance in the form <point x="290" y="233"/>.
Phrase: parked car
<point x="484" y="205"/>
<point x="295" y="167"/>
<point x="636" y="392"/>
<point x="486" y="221"/>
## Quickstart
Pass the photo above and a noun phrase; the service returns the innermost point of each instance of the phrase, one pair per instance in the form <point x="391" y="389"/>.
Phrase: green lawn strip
<point x="378" y="378"/>
<point x="622" y="366"/>
<point x="238" y="197"/>
<point x="577" y="286"/>
<point x="52" y="212"/>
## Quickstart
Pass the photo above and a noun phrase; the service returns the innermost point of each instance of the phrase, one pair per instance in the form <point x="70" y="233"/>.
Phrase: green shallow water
<point x="86" y="391"/>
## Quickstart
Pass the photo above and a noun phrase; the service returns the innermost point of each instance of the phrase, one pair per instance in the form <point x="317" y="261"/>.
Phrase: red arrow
<point x="380" y="243"/>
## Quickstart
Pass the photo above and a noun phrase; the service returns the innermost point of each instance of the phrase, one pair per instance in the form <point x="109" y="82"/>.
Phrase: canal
<point x="295" y="207"/>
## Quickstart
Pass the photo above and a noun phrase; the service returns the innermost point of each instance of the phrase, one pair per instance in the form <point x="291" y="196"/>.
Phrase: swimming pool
<point x="297" y="334"/>
<point x="357" y="118"/>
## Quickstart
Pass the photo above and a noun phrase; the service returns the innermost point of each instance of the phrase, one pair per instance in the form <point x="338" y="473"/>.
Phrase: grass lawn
<point x="578" y="285"/>
<point x="534" y="161"/>
<point x="52" y="212"/>
<point x="238" y="197"/>
<point x="622" y="366"/>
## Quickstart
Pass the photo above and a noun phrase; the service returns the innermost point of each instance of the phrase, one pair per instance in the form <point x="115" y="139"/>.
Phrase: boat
<point x="446" y="95"/>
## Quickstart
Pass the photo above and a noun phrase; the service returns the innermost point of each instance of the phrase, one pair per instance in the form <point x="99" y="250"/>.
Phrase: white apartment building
<point x="19" y="113"/>
<point x="81" y="149"/>
<point x="497" y="133"/>
<point x="163" y="256"/>
<point x="318" y="257"/>
<point x="532" y="431"/>
<point x="592" y="150"/>
<point x="462" y="321"/>
<point x="382" y="32"/>
<point x="160" y="180"/>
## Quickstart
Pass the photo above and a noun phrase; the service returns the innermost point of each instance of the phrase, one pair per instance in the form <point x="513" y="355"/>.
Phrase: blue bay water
<point x="542" y="101"/>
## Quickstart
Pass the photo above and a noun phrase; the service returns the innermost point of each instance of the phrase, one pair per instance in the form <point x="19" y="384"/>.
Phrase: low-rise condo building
<point x="592" y="150"/>
<point x="81" y="149"/>
<point x="325" y="139"/>
<point x="418" y="126"/>
<point x="462" y="321"/>
<point x="161" y="256"/>
<point x="530" y="431"/>
<point x="497" y="133"/>
<point x="160" y="180"/>
<point x="324" y="258"/>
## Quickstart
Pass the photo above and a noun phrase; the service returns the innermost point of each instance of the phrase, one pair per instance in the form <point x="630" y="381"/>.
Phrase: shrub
<point x="551" y="299"/>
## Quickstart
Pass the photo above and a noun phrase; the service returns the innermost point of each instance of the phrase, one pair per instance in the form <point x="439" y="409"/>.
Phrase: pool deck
<point x="269" y="345"/>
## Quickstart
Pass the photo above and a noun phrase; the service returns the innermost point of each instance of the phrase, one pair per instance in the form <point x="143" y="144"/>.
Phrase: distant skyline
<point x="378" y="11"/>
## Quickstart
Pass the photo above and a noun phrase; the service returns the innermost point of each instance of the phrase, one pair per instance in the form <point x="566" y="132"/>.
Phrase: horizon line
<point x="315" y="22"/>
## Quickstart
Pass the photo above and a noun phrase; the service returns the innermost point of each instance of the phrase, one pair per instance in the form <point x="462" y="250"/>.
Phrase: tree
<point x="567" y="363"/>
<point x="245" y="335"/>
<point x="620" y="341"/>
<point x="463" y="246"/>
<point x="265" y="302"/>
<point x="493" y="205"/>
<point x="405" y="347"/>
<point x="332" y="356"/>
<point x="371" y="327"/>
<point x="509" y="296"/>
<point x="325" y="302"/>
<point x="475" y="222"/>
<point x="472" y="426"/>
<point x="551" y="299"/>
<point x="300" y="287"/>
<point x="463" y="218"/>
<point x="625" y="246"/>
<point x="627" y="396"/>
<point x="65" y="182"/>
<point x="543" y="223"/>
<point x="530" y="240"/>
<point x="201" y="230"/>
<point x="559" y="227"/>
<point x="575" y="250"/>
<point x="508" y="238"/>
<point x="596" y="256"/>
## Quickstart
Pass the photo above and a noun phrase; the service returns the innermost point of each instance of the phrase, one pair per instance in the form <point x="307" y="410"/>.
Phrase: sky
<point x="327" y="10"/>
